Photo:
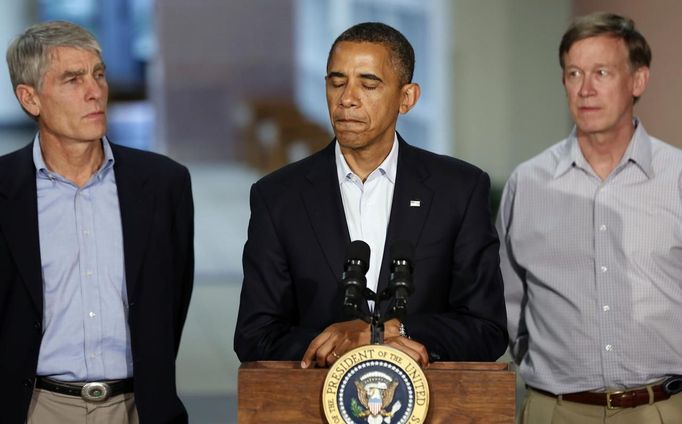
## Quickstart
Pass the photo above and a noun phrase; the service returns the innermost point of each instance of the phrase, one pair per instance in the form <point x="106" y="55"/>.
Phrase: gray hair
<point x="28" y="55"/>
<point x="609" y="24"/>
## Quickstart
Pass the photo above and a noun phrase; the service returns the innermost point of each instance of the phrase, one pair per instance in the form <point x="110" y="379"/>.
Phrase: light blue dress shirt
<point x="85" y="318"/>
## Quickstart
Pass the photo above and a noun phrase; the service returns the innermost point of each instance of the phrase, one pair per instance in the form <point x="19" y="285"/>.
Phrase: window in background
<point x="423" y="22"/>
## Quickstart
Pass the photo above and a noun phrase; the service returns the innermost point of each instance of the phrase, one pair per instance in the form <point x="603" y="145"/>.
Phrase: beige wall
<point x="659" y="20"/>
<point x="508" y="99"/>
<point x="215" y="56"/>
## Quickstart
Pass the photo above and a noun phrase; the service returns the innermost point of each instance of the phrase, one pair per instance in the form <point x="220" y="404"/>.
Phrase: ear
<point x="408" y="97"/>
<point x="28" y="97"/>
<point x="641" y="80"/>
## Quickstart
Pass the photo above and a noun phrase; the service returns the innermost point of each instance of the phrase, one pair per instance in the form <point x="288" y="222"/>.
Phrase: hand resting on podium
<point x="341" y="337"/>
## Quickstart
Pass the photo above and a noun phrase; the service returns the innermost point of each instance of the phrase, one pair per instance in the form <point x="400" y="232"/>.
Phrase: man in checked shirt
<point x="591" y="250"/>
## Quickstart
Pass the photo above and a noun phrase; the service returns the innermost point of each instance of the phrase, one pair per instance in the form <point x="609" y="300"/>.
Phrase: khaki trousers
<point x="52" y="408"/>
<point x="542" y="409"/>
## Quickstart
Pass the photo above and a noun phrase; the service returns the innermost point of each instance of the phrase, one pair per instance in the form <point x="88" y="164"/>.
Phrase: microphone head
<point x="402" y="250"/>
<point x="359" y="251"/>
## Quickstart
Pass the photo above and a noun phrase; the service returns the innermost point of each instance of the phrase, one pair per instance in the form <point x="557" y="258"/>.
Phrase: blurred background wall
<point x="235" y="89"/>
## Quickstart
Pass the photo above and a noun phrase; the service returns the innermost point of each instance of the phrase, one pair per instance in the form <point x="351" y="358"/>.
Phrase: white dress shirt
<point x="368" y="207"/>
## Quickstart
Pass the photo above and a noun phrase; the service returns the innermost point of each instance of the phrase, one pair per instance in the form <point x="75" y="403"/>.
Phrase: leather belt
<point x="95" y="391"/>
<point x="613" y="400"/>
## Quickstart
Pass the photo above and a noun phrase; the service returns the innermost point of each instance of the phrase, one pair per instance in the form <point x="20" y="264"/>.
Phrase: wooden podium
<point x="461" y="392"/>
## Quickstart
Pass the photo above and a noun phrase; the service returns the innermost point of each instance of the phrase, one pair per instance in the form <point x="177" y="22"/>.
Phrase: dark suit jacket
<point x="296" y="247"/>
<point x="155" y="198"/>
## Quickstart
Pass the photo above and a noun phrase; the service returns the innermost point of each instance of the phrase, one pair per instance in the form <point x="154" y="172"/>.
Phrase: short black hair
<point x="402" y="53"/>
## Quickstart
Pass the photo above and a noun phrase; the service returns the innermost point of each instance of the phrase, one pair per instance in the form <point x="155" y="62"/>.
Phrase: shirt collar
<point x="43" y="172"/>
<point x="388" y="167"/>
<point x="569" y="155"/>
<point x="638" y="152"/>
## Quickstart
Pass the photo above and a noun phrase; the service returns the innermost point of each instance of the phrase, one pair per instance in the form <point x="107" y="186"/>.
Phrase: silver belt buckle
<point x="95" y="392"/>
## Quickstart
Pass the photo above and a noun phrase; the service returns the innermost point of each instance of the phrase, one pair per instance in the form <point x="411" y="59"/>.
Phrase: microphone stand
<point x="401" y="270"/>
<point x="376" y="326"/>
<point x="375" y="319"/>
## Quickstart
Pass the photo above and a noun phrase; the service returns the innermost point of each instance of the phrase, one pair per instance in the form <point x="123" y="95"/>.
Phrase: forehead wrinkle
<point x="69" y="73"/>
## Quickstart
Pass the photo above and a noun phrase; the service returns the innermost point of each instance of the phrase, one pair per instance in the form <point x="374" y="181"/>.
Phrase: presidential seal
<point x="375" y="384"/>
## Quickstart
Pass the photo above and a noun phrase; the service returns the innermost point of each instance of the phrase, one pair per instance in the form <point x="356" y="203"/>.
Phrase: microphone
<point x="353" y="279"/>
<point x="400" y="281"/>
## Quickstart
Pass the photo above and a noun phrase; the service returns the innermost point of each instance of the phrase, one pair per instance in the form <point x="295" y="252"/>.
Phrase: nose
<point x="95" y="88"/>
<point x="586" y="86"/>
<point x="349" y="96"/>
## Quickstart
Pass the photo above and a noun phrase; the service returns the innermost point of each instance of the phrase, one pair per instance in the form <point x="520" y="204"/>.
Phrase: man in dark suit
<point x="96" y="251"/>
<point x="370" y="184"/>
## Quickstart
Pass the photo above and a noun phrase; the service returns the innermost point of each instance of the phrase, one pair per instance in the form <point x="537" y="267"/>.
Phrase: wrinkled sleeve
<point x="184" y="246"/>
<point x="266" y="328"/>
<point x="473" y="328"/>
<point x="513" y="275"/>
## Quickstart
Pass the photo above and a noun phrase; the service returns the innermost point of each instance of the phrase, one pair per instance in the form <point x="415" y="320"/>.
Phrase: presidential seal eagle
<point x="375" y="392"/>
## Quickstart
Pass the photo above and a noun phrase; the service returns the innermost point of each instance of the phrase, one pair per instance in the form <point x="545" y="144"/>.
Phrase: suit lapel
<point x="411" y="204"/>
<point x="136" y="202"/>
<point x="19" y="221"/>
<point x="322" y="201"/>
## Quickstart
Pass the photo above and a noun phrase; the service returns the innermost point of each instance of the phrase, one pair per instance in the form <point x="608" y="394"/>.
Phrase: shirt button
<point x="37" y="325"/>
<point x="609" y="348"/>
<point x="92" y="314"/>
<point x="86" y="232"/>
<point x="602" y="227"/>
<point x="604" y="269"/>
<point x="89" y="273"/>
<point x="606" y="308"/>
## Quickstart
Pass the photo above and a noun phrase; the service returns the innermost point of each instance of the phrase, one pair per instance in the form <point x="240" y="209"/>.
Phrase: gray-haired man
<point x="592" y="247"/>
<point x="96" y="257"/>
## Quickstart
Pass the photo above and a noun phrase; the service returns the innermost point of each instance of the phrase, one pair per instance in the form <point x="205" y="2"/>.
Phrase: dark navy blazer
<point x="157" y="217"/>
<point x="298" y="237"/>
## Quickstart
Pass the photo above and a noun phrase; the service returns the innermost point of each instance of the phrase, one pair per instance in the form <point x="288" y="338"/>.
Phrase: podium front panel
<point x="461" y="392"/>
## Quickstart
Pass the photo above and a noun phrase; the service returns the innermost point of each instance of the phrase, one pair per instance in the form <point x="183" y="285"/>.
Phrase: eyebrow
<point x="71" y="73"/>
<point x="78" y="72"/>
<point x="371" y="77"/>
<point x="596" y="65"/>
<point x="336" y="74"/>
